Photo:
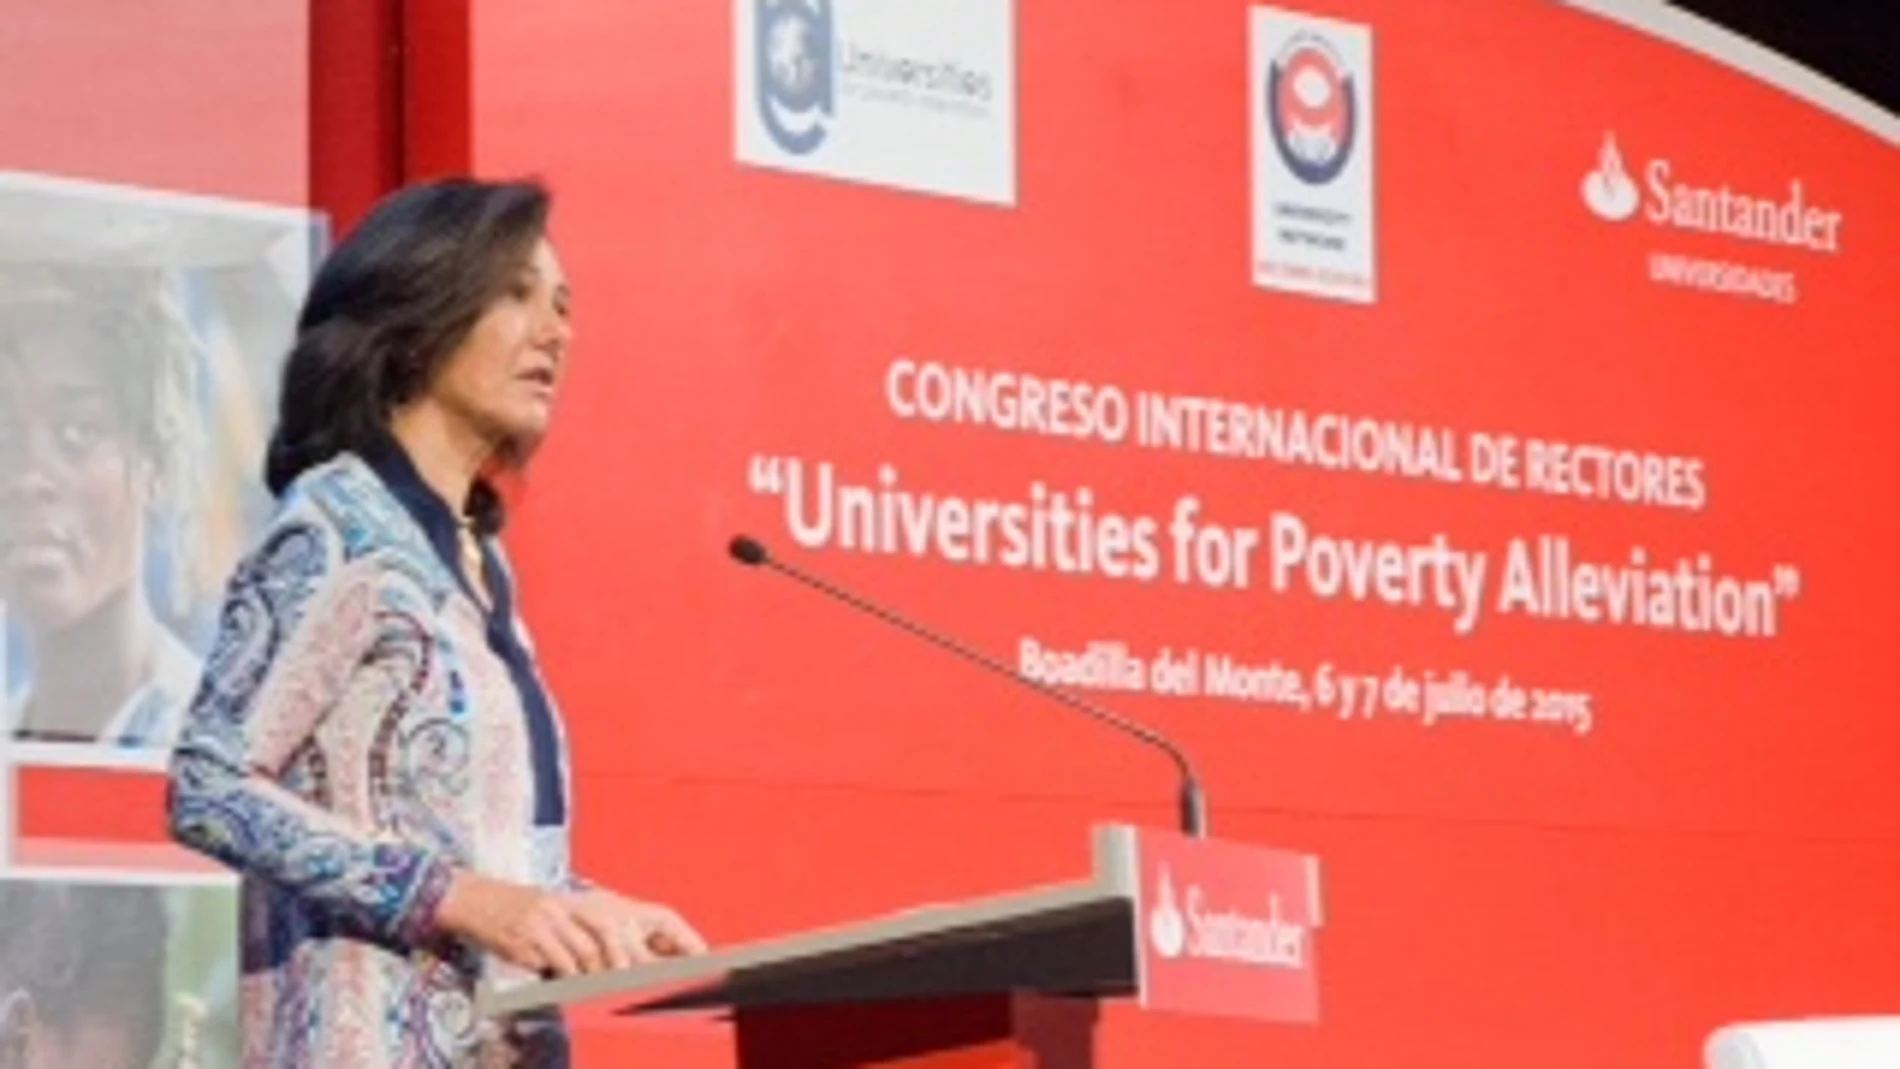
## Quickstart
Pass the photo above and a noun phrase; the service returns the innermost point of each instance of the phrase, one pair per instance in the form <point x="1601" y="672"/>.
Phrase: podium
<point x="1176" y="924"/>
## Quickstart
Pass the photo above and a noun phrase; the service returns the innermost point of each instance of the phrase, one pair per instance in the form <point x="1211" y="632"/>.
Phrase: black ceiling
<point x="1854" y="42"/>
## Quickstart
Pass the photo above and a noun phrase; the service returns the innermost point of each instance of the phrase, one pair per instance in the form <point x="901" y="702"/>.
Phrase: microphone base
<point x="1193" y="810"/>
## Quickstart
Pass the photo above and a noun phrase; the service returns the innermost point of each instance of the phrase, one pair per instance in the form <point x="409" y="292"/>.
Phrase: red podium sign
<point x="1226" y="928"/>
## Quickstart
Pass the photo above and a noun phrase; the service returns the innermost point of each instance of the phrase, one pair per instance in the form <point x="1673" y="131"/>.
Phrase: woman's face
<point x="73" y="484"/>
<point x="504" y="376"/>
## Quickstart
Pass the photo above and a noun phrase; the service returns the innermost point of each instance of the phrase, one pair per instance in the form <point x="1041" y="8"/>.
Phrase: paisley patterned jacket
<point x="363" y="729"/>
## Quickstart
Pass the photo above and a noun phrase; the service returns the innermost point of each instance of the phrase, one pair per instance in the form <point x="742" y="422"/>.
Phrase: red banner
<point x="1453" y="422"/>
<point x="1461" y="425"/>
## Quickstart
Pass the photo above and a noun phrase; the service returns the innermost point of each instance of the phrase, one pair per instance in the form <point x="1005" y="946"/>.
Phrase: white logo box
<point x="915" y="95"/>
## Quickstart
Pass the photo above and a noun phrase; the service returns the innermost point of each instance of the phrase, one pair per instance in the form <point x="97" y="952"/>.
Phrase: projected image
<point x="140" y="336"/>
<point x="117" y="975"/>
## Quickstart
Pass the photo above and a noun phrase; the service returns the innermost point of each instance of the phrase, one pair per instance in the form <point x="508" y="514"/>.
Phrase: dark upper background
<point x="1854" y="42"/>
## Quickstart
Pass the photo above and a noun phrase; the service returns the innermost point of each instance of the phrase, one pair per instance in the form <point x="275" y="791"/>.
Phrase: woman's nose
<point x="555" y="335"/>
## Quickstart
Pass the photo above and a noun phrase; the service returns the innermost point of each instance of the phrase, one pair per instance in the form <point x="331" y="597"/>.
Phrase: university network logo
<point x="1312" y="142"/>
<point x="1313" y="111"/>
<point x="1608" y="189"/>
<point x="792" y="57"/>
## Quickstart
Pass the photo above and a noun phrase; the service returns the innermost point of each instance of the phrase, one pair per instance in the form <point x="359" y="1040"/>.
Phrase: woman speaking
<point x="372" y="746"/>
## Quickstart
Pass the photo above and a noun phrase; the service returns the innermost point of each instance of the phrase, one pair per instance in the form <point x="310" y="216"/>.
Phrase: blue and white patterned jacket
<point x="363" y="728"/>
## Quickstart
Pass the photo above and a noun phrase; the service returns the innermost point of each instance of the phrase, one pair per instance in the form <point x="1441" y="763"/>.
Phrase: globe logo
<point x="793" y="71"/>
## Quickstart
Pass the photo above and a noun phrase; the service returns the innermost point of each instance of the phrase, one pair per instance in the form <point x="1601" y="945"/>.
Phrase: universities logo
<point x="1311" y="90"/>
<point x="918" y="96"/>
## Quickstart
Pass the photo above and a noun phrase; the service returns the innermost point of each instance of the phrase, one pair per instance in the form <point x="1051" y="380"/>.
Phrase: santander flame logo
<point x="1608" y="190"/>
<point x="1166" y="928"/>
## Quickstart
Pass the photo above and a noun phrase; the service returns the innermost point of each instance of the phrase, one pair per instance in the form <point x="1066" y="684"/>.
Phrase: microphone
<point x="1193" y="801"/>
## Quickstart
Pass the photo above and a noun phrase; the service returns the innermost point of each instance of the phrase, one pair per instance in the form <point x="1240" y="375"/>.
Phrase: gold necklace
<point x="473" y="565"/>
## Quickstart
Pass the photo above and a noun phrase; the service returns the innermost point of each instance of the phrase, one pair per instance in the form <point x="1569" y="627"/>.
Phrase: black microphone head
<point x="747" y="550"/>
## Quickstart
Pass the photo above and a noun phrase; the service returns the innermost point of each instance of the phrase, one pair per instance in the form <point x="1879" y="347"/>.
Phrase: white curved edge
<point x="1730" y="1047"/>
<point x="1696" y="34"/>
<point x="1837" y="1042"/>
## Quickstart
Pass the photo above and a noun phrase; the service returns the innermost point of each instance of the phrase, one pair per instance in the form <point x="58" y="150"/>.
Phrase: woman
<point x="372" y="746"/>
<point x="96" y="456"/>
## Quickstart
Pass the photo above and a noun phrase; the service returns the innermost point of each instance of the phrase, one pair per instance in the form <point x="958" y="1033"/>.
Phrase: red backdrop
<point x="1498" y="893"/>
<point x="1720" y="843"/>
<point x="203" y="96"/>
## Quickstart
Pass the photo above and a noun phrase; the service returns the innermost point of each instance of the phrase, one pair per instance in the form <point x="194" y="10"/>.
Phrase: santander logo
<point x="1608" y="190"/>
<point x="1788" y="218"/>
<point x="1166" y="928"/>
<point x="1189" y="927"/>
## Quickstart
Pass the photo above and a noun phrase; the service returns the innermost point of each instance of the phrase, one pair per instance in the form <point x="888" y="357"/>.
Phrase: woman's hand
<point x="645" y="931"/>
<point x="559" y="934"/>
<point x="528" y="927"/>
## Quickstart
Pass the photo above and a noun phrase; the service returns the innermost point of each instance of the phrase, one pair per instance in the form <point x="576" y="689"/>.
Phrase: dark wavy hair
<point x="388" y="306"/>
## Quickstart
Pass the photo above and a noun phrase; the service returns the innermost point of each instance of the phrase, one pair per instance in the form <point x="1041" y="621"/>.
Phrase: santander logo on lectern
<point x="1166" y="929"/>
<point x="1194" y="929"/>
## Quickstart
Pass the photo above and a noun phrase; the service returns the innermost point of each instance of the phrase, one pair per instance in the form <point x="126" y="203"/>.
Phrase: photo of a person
<point x="97" y="454"/>
<point x="142" y="334"/>
<point x="82" y="976"/>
